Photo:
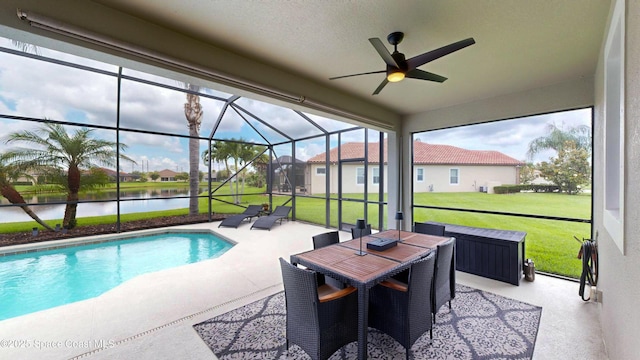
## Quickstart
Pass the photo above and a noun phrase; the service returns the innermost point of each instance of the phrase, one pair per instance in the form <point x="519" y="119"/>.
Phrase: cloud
<point x="39" y="89"/>
<point x="511" y="137"/>
<point x="283" y="119"/>
<point x="309" y="151"/>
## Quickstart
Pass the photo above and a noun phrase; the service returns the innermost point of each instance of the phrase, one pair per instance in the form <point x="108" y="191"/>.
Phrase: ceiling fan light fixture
<point x="395" y="76"/>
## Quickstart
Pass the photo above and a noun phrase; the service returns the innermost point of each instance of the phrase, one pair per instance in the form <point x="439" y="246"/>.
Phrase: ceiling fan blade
<point x="422" y="59"/>
<point x="384" y="53"/>
<point x="424" y="75"/>
<point x="365" y="73"/>
<point x="382" y="84"/>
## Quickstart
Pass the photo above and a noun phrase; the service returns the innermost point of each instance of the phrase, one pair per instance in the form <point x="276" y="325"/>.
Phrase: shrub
<point x="513" y="189"/>
<point x="22" y="183"/>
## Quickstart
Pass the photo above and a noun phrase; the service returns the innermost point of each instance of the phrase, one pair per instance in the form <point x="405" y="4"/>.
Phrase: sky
<point x="32" y="88"/>
<point x="511" y="137"/>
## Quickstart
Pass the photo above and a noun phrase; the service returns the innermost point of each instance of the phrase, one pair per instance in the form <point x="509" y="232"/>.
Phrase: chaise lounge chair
<point x="266" y="222"/>
<point x="235" y="220"/>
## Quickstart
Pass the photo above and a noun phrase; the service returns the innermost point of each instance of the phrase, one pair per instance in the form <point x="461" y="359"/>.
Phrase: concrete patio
<point x="151" y="316"/>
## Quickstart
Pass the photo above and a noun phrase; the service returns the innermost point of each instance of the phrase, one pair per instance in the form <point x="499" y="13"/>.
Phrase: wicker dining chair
<point x="444" y="287"/>
<point x="429" y="229"/>
<point x="325" y="239"/>
<point x="403" y="310"/>
<point x="320" y="241"/>
<point x="320" y="319"/>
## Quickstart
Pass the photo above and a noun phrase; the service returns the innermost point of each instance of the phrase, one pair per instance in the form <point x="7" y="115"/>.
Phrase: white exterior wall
<point x="618" y="277"/>
<point x="470" y="178"/>
<point x="348" y="178"/>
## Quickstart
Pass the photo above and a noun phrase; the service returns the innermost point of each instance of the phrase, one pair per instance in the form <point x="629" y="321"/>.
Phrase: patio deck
<point x="151" y="316"/>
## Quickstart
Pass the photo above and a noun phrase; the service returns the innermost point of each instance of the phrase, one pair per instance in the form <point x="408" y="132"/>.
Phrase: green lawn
<point x="549" y="243"/>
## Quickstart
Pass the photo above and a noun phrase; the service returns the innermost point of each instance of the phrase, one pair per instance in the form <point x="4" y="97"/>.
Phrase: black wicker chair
<point x="322" y="319"/>
<point x="444" y="284"/>
<point x="325" y="239"/>
<point x="322" y="240"/>
<point x="403" y="310"/>
<point x="355" y="232"/>
<point x="429" y="229"/>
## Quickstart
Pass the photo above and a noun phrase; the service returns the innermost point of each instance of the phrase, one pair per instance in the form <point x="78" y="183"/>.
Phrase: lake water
<point x="142" y="204"/>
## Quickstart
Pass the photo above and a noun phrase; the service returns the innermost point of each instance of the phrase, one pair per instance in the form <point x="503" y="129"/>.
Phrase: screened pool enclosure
<point x="166" y="137"/>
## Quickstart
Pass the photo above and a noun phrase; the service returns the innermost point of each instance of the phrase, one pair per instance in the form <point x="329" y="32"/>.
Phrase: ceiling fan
<point x="398" y="67"/>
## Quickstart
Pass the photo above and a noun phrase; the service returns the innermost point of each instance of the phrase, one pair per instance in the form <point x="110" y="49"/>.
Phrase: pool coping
<point x="98" y="239"/>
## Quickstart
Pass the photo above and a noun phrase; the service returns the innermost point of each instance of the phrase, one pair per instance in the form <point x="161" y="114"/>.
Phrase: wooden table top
<point x="415" y="239"/>
<point x="328" y="255"/>
<point x="342" y="259"/>
<point x="401" y="252"/>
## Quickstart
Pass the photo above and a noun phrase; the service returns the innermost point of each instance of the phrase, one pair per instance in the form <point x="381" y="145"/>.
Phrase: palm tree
<point x="556" y="138"/>
<point x="233" y="150"/>
<point x="262" y="162"/>
<point x="219" y="152"/>
<point x="247" y="153"/>
<point x="237" y="150"/>
<point x="51" y="146"/>
<point x="193" y="113"/>
<point x="8" y="173"/>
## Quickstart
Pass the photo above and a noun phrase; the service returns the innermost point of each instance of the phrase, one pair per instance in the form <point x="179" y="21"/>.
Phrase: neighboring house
<point x="438" y="168"/>
<point x="352" y="170"/>
<point x="31" y="178"/>
<point x="213" y="177"/>
<point x="124" y="177"/>
<point x="538" y="179"/>
<point x="167" y="175"/>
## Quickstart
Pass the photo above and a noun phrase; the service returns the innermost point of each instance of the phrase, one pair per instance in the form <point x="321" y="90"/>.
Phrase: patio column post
<point x="394" y="187"/>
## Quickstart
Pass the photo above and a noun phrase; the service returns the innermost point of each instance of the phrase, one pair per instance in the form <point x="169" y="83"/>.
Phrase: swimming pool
<point x="45" y="279"/>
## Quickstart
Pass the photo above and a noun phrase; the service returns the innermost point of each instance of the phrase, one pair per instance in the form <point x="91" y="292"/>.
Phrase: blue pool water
<point x="45" y="279"/>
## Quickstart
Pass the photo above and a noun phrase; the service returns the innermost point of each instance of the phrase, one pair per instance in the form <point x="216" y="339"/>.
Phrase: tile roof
<point x="351" y="150"/>
<point x="113" y="172"/>
<point x="167" y="173"/>
<point x="424" y="153"/>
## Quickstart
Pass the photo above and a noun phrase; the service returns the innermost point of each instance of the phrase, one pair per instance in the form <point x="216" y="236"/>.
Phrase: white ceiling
<point x="520" y="44"/>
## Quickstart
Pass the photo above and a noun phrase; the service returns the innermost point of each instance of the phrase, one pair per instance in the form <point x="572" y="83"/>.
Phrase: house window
<point x="420" y="175"/>
<point x="376" y="176"/>
<point x="321" y="170"/>
<point x="614" y="132"/>
<point x="360" y="176"/>
<point x="454" y="176"/>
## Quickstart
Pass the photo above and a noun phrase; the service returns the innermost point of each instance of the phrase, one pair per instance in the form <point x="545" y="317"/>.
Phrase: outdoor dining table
<point x="342" y="262"/>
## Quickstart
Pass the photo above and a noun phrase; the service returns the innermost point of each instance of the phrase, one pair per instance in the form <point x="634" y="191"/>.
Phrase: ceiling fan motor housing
<point x="395" y="38"/>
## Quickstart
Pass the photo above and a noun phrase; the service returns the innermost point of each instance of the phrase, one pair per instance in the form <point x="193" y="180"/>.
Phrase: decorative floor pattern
<point x="481" y="325"/>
